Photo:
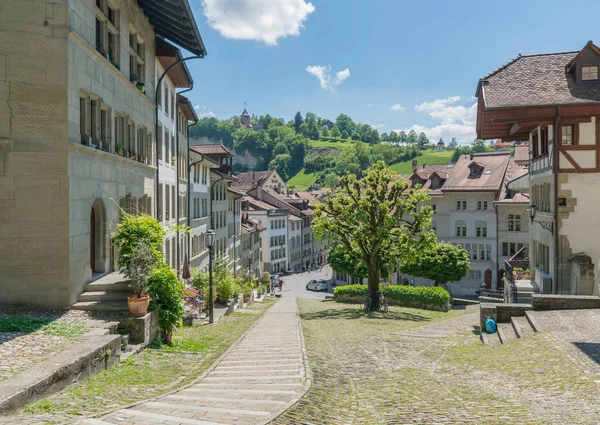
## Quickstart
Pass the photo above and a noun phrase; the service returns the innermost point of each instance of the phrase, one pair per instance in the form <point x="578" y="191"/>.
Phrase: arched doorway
<point x="488" y="279"/>
<point x="98" y="237"/>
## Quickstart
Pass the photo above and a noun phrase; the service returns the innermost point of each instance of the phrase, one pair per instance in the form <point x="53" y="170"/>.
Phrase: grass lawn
<point x="302" y="180"/>
<point x="148" y="374"/>
<point x="417" y="366"/>
<point x="341" y="145"/>
<point x="428" y="157"/>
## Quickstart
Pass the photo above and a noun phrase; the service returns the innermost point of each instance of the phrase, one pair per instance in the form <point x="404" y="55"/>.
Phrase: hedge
<point x="426" y="297"/>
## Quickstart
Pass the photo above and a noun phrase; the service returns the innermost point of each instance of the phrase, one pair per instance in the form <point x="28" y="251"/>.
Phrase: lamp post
<point x="531" y="209"/>
<point x="249" y="263"/>
<point x="210" y="242"/>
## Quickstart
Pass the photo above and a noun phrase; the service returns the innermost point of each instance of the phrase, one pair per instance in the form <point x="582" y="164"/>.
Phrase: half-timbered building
<point x="553" y="101"/>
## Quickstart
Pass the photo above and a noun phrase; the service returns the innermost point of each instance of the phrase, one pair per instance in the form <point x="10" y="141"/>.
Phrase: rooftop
<point x="494" y="166"/>
<point x="536" y="80"/>
<point x="174" y="20"/>
<point x="211" y="149"/>
<point x="513" y="172"/>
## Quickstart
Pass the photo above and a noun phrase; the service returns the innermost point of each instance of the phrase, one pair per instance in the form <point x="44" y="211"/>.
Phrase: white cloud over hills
<point x="455" y="120"/>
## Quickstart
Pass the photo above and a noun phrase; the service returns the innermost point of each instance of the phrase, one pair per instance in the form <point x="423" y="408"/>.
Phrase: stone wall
<point x="34" y="185"/>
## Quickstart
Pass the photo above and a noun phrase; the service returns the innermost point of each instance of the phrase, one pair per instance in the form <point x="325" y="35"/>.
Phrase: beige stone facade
<point x="77" y="120"/>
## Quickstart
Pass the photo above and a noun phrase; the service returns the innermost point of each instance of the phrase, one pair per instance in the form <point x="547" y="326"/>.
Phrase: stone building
<point x="77" y="83"/>
<point x="553" y="102"/>
<point x="251" y="255"/>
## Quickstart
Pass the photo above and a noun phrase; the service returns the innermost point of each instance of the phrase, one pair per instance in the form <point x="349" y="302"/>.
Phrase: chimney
<point x="471" y="158"/>
<point x="414" y="166"/>
<point x="424" y="166"/>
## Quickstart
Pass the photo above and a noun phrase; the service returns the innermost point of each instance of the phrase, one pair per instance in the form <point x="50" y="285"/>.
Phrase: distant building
<point x="245" y="119"/>
<point x="440" y="146"/>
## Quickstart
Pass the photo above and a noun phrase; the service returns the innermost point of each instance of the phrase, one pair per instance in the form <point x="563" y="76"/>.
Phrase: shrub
<point x="166" y="293"/>
<point x="261" y="290"/>
<point x="134" y="229"/>
<point x="225" y="286"/>
<point x="265" y="278"/>
<point x="408" y="296"/>
<point x="140" y="265"/>
<point x="201" y="281"/>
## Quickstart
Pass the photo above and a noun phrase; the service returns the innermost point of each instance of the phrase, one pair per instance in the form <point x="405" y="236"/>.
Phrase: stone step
<point x="249" y="372"/>
<point x="524" y="325"/>
<point x="129" y="415"/>
<point x="217" y="401"/>
<point x="160" y="406"/>
<point x="101" y="285"/>
<point x="506" y="332"/>
<point x="101" y="306"/>
<point x="104" y="295"/>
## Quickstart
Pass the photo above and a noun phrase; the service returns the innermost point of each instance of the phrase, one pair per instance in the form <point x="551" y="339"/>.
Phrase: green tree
<point x="422" y="141"/>
<point x="313" y="130"/>
<point x="403" y="138"/>
<point x="335" y="132"/>
<point x="343" y="260"/>
<point x="394" y="137"/>
<point x="453" y="144"/>
<point x="166" y="296"/>
<point x="304" y="129"/>
<point x="377" y="219"/>
<point x="281" y="163"/>
<point x="298" y="121"/>
<point x="385" y="137"/>
<point x="442" y="263"/>
<point x="280" y="148"/>
<point x="325" y="131"/>
<point x="412" y="138"/>
<point x="355" y="136"/>
<point x="345" y="135"/>
<point x="345" y="123"/>
<point x="478" y="145"/>
<point x="331" y="180"/>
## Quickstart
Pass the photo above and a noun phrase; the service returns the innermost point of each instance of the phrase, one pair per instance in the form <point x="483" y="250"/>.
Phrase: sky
<point x="393" y="64"/>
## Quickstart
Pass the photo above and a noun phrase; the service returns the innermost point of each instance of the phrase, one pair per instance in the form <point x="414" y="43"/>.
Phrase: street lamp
<point x="249" y="263"/>
<point x="532" y="209"/>
<point x="210" y="243"/>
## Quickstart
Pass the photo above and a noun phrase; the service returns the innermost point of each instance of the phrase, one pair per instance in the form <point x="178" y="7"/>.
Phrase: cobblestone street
<point x="408" y="367"/>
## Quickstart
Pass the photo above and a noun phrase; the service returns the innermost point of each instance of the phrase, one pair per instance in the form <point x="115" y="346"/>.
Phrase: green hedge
<point x="408" y="296"/>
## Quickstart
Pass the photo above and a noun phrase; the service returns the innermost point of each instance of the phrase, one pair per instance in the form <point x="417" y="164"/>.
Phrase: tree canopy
<point x="376" y="218"/>
<point x="444" y="262"/>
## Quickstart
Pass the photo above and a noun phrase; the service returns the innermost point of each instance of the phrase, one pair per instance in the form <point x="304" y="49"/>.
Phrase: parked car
<point x="317" y="285"/>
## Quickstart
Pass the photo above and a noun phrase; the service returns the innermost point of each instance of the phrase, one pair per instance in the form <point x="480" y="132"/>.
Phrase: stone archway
<point x="98" y="248"/>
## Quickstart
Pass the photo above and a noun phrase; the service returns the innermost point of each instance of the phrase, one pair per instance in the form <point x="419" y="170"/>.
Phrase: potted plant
<point x="119" y="149"/>
<point x="141" y="87"/>
<point x="138" y="271"/>
<point x="132" y="155"/>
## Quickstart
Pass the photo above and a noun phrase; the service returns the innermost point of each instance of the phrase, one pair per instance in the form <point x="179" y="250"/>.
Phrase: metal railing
<point x="510" y="287"/>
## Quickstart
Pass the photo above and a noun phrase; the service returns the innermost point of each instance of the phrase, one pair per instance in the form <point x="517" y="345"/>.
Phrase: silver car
<point x="317" y="285"/>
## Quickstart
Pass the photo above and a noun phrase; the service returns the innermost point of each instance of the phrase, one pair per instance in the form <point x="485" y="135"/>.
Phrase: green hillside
<point x="428" y="157"/>
<point x="341" y="145"/>
<point x="301" y="181"/>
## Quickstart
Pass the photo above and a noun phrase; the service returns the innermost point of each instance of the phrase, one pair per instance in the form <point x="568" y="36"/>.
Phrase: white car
<point x="317" y="285"/>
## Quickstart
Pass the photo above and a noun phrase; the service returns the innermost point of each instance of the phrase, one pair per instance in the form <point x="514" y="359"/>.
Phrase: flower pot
<point x="246" y="299"/>
<point x="138" y="306"/>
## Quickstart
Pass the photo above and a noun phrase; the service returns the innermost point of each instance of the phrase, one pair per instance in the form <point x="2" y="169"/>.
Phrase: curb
<point x="202" y="376"/>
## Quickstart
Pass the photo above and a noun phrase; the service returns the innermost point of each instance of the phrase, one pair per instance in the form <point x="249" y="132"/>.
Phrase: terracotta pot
<point x="246" y="299"/>
<point x="138" y="306"/>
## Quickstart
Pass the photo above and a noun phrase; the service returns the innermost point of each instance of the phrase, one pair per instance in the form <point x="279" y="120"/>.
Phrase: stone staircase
<point x="519" y="327"/>
<point x="108" y="293"/>
<point x="525" y="289"/>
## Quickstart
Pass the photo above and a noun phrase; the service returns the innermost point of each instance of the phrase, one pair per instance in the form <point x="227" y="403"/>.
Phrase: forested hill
<point x="276" y="144"/>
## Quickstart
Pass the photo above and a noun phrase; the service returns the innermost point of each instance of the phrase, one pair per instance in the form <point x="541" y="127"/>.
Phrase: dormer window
<point x="589" y="73"/>
<point x="476" y="169"/>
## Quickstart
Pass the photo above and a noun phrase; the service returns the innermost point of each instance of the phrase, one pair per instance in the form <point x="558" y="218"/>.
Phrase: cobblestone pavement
<point x="19" y="350"/>
<point x="577" y="334"/>
<point x="258" y="377"/>
<point x="409" y="367"/>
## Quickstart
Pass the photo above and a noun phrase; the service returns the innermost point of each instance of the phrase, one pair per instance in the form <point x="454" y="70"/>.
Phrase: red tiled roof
<point x="522" y="153"/>
<point x="253" y="176"/>
<point x="513" y="171"/>
<point x="212" y="149"/>
<point x="494" y="166"/>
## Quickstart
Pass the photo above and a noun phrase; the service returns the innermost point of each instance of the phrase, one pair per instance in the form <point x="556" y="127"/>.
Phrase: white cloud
<point x="397" y="107"/>
<point x="262" y="20"/>
<point x="203" y="113"/>
<point x="323" y="74"/>
<point x="370" y="105"/>
<point x="455" y="120"/>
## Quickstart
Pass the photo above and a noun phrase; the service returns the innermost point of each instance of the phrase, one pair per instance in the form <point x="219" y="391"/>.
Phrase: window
<point x="478" y="205"/>
<point x="485" y="205"/>
<point x="514" y="223"/>
<point x="434" y="208"/>
<point x="481" y="229"/>
<point x="505" y="249"/>
<point x="589" y="73"/>
<point x="474" y="275"/>
<point x="85" y="119"/>
<point x="464" y="205"/>
<point x="566" y="134"/>
<point x="137" y="56"/>
<point x="544" y="141"/>
<point x="461" y="229"/>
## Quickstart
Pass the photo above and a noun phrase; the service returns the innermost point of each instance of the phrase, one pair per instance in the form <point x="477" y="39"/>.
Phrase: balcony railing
<point x="518" y="261"/>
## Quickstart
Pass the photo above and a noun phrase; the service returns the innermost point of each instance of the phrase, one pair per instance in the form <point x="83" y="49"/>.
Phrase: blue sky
<point x="394" y="64"/>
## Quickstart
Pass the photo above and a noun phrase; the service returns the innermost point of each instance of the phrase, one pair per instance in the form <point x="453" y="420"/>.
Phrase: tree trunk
<point x="373" y="282"/>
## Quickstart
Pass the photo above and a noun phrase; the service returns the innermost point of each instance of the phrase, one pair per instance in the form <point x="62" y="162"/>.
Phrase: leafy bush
<point x="225" y="287"/>
<point x="200" y="280"/>
<point x="401" y="295"/>
<point x="141" y="262"/>
<point x="265" y="278"/>
<point x="166" y="296"/>
<point x="134" y="229"/>
<point x="261" y="290"/>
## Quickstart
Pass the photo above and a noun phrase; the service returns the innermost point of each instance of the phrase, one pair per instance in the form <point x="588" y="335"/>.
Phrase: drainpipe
<point x="497" y="248"/>
<point x="188" y="166"/>
<point x="156" y="91"/>
<point x="178" y="254"/>
<point x="555" y="159"/>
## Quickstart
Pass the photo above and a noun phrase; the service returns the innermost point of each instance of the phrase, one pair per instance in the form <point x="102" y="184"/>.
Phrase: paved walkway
<point x="258" y="378"/>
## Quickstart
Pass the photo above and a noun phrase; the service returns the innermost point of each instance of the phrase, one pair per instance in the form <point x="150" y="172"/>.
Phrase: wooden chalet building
<point x="553" y="101"/>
